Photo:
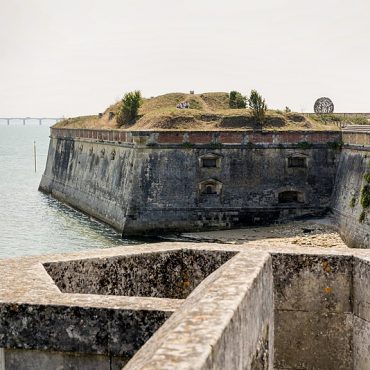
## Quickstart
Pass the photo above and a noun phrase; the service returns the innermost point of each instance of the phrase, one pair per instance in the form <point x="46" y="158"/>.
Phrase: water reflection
<point x="71" y="219"/>
<point x="32" y="222"/>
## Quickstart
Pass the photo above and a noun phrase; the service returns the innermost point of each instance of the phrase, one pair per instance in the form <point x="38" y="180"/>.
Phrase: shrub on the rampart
<point x="258" y="106"/>
<point x="237" y="100"/>
<point x="360" y="120"/>
<point x="367" y="177"/>
<point x="129" y="108"/>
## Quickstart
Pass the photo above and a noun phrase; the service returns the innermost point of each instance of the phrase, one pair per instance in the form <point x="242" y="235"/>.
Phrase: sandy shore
<point x="312" y="233"/>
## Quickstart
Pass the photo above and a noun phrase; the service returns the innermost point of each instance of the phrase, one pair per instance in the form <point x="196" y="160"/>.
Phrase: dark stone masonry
<point x="147" y="182"/>
<point x="159" y="183"/>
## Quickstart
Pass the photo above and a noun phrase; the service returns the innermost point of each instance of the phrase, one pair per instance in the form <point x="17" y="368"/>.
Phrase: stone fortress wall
<point x="353" y="165"/>
<point x="171" y="181"/>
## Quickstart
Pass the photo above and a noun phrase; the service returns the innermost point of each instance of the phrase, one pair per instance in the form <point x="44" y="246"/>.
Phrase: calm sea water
<point x="32" y="222"/>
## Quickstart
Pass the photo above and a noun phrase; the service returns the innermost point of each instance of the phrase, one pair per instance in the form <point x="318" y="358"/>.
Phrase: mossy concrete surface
<point x="252" y="307"/>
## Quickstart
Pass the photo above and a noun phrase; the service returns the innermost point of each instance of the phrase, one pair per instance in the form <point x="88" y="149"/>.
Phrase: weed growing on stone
<point x="187" y="145"/>
<point x="367" y="177"/>
<point x="365" y="196"/>
<point x="335" y="145"/>
<point x="361" y="219"/>
<point x="352" y="203"/>
<point x="215" y="145"/>
<point x="304" y="145"/>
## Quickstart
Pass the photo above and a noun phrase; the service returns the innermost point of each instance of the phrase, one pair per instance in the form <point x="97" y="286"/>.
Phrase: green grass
<point x="339" y="119"/>
<point x="359" y="121"/>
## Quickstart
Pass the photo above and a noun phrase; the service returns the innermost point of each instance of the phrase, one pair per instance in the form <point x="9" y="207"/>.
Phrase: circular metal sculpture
<point x="323" y="105"/>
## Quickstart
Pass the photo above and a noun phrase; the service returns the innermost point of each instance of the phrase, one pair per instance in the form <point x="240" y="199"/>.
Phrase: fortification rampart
<point x="168" y="181"/>
<point x="227" y="137"/>
<point x="352" y="218"/>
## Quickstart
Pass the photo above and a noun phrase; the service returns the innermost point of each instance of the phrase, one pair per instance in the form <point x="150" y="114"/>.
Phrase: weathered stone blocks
<point x="153" y="184"/>
<point x="172" y="274"/>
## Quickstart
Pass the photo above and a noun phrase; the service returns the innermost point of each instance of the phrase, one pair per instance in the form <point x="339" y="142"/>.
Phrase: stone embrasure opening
<point x="291" y="197"/>
<point x="171" y="274"/>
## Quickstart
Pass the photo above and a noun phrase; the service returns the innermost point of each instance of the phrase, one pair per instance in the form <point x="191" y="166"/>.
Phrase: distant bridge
<point x="24" y="119"/>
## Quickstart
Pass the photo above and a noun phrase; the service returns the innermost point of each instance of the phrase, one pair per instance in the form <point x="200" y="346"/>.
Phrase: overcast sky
<point x="75" y="57"/>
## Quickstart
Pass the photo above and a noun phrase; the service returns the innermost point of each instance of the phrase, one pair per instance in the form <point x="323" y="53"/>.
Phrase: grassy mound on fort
<point x="207" y="111"/>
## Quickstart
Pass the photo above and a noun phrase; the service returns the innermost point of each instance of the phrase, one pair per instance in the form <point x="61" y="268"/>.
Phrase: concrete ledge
<point x="226" y="325"/>
<point x="255" y="307"/>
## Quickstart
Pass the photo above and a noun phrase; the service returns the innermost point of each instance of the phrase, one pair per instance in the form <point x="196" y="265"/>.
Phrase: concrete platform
<point x="187" y="306"/>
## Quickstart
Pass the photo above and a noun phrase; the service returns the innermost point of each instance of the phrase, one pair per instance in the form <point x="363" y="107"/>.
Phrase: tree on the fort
<point x="129" y="108"/>
<point x="237" y="100"/>
<point x="258" y="106"/>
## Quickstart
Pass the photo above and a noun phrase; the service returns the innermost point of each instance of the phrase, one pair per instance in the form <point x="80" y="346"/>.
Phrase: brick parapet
<point x="183" y="138"/>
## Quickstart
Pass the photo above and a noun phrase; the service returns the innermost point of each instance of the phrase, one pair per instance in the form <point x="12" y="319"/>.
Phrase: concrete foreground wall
<point x="227" y="324"/>
<point x="16" y="359"/>
<point x="264" y="308"/>
<point x="156" y="182"/>
<point x="313" y="311"/>
<point x="321" y="320"/>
